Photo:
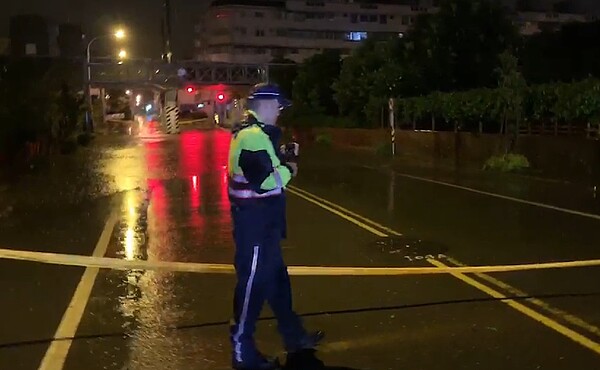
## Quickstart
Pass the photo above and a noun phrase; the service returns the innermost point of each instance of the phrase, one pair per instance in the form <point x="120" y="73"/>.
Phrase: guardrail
<point x="588" y="130"/>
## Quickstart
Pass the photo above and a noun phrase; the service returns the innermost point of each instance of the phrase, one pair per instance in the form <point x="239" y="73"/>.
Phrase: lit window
<point x="356" y="36"/>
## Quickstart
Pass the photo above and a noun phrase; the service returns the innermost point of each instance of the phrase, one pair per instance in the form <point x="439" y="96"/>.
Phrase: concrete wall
<point x="557" y="157"/>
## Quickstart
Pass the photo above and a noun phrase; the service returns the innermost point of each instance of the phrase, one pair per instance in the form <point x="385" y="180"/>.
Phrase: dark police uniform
<point x="257" y="179"/>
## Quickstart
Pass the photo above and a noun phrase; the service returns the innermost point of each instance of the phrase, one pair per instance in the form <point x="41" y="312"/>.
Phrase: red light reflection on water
<point x="193" y="167"/>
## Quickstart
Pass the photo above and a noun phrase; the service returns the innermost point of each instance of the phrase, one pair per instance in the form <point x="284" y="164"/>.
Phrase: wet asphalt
<point x="170" y="198"/>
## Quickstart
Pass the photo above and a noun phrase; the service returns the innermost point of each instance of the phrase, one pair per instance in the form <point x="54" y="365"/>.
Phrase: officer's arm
<point x="257" y="166"/>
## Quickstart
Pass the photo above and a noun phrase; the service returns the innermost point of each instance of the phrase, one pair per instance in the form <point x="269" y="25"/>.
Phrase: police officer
<point x="257" y="179"/>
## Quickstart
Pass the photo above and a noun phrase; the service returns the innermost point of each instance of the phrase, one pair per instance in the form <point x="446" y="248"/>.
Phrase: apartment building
<point x="35" y="35"/>
<point x="259" y="31"/>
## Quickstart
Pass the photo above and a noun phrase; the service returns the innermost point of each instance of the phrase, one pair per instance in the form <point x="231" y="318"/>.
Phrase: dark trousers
<point x="261" y="276"/>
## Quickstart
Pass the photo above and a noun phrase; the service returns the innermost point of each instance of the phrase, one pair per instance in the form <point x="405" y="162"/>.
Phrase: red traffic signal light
<point x="221" y="97"/>
<point x="190" y="89"/>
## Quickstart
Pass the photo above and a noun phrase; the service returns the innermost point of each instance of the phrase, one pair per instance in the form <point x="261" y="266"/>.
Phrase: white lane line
<point x="495" y="195"/>
<point x="55" y="356"/>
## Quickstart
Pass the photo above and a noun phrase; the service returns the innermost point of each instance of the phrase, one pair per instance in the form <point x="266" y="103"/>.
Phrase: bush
<point x="510" y="162"/>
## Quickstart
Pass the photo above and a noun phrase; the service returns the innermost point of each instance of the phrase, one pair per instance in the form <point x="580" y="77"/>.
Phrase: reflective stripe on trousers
<point x="242" y="323"/>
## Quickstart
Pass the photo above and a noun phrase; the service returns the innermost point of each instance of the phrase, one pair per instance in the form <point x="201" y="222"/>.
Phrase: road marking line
<point x="299" y="192"/>
<point x="570" y="318"/>
<point x="566" y="316"/>
<point x="546" y="321"/>
<point x="500" y="196"/>
<point x="336" y="212"/>
<point x="57" y="352"/>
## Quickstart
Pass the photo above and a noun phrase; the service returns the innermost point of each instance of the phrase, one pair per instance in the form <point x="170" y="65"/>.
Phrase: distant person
<point x="257" y="179"/>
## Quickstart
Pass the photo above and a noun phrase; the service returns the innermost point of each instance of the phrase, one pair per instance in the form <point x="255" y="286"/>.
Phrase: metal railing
<point x="176" y="74"/>
<point x="555" y="129"/>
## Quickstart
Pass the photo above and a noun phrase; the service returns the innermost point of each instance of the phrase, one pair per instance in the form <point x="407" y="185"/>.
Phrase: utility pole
<point x="167" y="53"/>
<point x="392" y="125"/>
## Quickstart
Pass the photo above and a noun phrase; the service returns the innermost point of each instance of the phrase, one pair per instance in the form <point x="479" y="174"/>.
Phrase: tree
<point x="572" y="53"/>
<point x="458" y="47"/>
<point x="283" y="71"/>
<point x="312" y="88"/>
<point x="513" y="89"/>
<point x="372" y="74"/>
<point x="35" y="97"/>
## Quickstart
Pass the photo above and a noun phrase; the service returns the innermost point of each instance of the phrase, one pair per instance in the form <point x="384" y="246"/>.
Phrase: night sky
<point x="142" y="19"/>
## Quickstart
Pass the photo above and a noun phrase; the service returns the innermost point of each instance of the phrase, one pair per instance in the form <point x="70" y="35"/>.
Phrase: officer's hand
<point x="294" y="167"/>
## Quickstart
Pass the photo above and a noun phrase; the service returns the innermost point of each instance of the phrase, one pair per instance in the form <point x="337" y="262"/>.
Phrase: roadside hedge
<point x="576" y="103"/>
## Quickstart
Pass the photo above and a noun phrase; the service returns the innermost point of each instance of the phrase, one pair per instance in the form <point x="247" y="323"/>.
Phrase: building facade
<point x="262" y="31"/>
<point x="29" y="36"/>
<point x="36" y="36"/>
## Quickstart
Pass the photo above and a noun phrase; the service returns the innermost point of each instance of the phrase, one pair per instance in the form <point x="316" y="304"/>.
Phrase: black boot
<point x="305" y="359"/>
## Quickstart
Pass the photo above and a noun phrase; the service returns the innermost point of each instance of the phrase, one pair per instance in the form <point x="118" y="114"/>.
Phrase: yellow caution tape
<point x="215" y="268"/>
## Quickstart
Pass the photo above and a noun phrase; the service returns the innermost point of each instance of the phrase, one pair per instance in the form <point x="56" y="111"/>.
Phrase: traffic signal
<point x="220" y="97"/>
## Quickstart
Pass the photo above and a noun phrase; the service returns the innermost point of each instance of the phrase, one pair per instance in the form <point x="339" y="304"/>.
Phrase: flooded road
<point x="166" y="200"/>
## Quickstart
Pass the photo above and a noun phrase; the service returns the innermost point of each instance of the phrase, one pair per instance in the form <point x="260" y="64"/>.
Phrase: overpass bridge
<point x="175" y="75"/>
<point x="167" y="79"/>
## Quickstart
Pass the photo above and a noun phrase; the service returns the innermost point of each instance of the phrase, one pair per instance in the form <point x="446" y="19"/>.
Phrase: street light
<point x="122" y="54"/>
<point x="119" y="34"/>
